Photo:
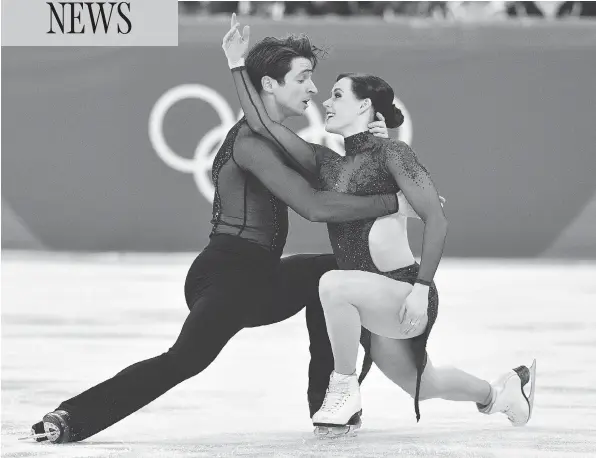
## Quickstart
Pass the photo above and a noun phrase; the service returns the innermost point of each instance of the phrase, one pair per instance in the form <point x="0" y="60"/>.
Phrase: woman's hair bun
<point x="395" y="118"/>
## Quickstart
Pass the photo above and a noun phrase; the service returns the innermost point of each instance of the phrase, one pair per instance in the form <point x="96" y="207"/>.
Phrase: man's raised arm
<point x="298" y="153"/>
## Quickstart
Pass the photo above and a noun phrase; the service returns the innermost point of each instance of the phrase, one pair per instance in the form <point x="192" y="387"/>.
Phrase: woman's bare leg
<point x="352" y="298"/>
<point x="395" y="359"/>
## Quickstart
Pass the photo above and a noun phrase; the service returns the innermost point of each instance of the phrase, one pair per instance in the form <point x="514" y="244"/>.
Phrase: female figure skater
<point x="379" y="286"/>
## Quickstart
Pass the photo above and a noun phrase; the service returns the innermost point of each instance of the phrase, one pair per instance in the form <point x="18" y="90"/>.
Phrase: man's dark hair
<point x="273" y="57"/>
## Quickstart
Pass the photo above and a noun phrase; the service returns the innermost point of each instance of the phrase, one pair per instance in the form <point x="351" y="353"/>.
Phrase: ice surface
<point x="68" y="322"/>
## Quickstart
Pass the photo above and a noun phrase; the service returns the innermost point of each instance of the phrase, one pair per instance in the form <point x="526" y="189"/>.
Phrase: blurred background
<point x="388" y="10"/>
<point x="110" y="149"/>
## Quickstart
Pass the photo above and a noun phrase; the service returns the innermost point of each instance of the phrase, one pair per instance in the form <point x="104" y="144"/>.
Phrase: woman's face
<point x="342" y="108"/>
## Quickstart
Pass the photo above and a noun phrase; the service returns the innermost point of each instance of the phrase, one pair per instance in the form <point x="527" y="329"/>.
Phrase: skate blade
<point x="335" y="432"/>
<point x="527" y="376"/>
<point x="51" y="434"/>
<point x="35" y="436"/>
<point x="326" y="431"/>
<point x="532" y="388"/>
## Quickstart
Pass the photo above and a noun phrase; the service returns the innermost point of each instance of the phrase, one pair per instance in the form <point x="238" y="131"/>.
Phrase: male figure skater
<point x="239" y="281"/>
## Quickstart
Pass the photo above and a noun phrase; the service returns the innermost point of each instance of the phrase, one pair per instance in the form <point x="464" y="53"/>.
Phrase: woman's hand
<point x="414" y="313"/>
<point x="235" y="45"/>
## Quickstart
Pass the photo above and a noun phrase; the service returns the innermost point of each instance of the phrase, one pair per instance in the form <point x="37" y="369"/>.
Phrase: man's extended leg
<point x="213" y="320"/>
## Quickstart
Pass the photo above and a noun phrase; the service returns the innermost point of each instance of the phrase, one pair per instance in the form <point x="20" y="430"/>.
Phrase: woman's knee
<point x="330" y="286"/>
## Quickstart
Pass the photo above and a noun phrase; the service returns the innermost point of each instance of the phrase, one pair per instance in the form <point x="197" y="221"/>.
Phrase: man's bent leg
<point x="321" y="356"/>
<point x="299" y="287"/>
<point x="207" y="329"/>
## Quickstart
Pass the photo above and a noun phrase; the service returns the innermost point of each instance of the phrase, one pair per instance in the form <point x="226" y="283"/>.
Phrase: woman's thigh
<point x="378" y="299"/>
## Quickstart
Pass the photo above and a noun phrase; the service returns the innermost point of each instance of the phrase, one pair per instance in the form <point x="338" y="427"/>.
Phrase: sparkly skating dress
<point x="365" y="170"/>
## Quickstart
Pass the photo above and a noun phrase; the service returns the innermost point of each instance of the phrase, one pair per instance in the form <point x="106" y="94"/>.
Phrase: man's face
<point x="294" y="96"/>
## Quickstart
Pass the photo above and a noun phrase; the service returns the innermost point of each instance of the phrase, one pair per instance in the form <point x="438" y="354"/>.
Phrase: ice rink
<point x="68" y="322"/>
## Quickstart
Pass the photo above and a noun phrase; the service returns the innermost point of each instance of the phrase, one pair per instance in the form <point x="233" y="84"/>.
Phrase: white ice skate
<point x="341" y="410"/>
<point x="513" y="395"/>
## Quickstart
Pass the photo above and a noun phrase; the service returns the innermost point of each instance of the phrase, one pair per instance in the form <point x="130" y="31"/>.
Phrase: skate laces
<point x="510" y="414"/>
<point x="509" y="408"/>
<point x="337" y="393"/>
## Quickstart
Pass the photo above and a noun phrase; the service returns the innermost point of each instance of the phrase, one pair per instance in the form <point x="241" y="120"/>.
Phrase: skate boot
<point x="513" y="395"/>
<point x="342" y="408"/>
<point x="54" y="428"/>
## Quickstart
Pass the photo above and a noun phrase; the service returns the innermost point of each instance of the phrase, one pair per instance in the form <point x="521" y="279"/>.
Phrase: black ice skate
<point x="54" y="428"/>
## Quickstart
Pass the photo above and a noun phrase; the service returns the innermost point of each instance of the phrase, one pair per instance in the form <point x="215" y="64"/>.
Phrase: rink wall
<point x="110" y="148"/>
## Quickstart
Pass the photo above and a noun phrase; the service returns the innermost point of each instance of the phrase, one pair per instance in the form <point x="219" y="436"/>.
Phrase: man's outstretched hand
<point x="234" y="44"/>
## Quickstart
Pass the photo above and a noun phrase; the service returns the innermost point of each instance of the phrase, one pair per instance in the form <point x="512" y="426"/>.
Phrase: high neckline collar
<point x="353" y="144"/>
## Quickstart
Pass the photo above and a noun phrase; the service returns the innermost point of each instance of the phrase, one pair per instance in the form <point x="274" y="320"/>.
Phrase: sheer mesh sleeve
<point x="260" y="157"/>
<point x="412" y="178"/>
<point x="418" y="187"/>
<point x="298" y="153"/>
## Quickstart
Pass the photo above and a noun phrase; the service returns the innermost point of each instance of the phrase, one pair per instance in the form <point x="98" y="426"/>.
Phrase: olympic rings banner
<point x="110" y="149"/>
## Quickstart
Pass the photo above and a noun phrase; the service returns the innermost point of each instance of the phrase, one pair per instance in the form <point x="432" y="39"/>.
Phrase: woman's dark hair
<point x="379" y="92"/>
<point x="273" y="57"/>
